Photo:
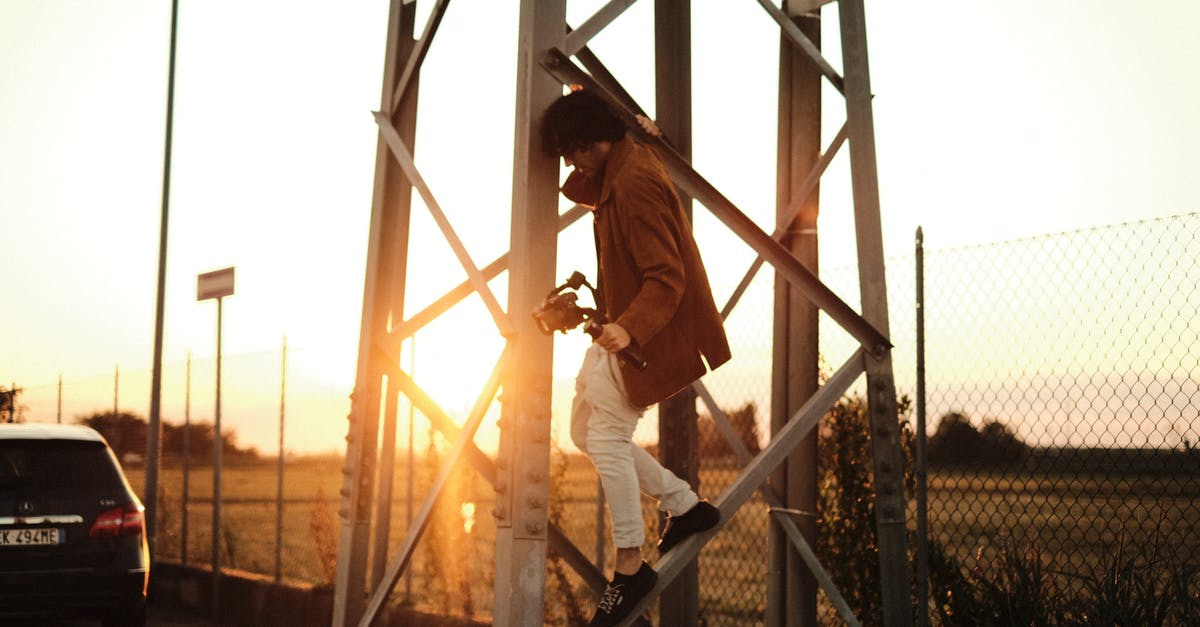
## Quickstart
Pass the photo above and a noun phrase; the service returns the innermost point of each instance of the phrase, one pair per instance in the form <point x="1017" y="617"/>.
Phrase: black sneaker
<point x="620" y="595"/>
<point x="702" y="517"/>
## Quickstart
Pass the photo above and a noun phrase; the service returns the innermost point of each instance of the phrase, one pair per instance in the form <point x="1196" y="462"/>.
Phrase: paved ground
<point x="171" y="617"/>
<point x="157" y="617"/>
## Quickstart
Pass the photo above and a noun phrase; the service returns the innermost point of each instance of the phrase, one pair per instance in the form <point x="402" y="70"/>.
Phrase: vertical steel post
<point x="888" y="461"/>
<point x="279" y="465"/>
<point x="382" y="302"/>
<point x="919" y="444"/>
<point x="791" y="588"/>
<point x="523" y="466"/>
<point x="187" y="457"/>
<point x="398" y="193"/>
<point x="218" y="445"/>
<point x="58" y="411"/>
<point x="678" y="440"/>
<point x="409" y="509"/>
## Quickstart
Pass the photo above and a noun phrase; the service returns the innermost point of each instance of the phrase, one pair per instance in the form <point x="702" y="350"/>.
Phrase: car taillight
<point x="121" y="521"/>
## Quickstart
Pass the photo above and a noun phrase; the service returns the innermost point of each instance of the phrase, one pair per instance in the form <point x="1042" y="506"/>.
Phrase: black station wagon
<point x="72" y="531"/>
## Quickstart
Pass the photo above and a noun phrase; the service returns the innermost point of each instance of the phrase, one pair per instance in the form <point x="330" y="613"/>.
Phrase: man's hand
<point x="613" y="337"/>
<point x="648" y="126"/>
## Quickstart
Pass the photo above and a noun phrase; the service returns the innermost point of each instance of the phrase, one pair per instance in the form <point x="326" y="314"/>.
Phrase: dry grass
<point x="980" y="509"/>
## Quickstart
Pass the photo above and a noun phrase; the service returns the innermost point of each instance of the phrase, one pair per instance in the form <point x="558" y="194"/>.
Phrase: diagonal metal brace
<point x="478" y="281"/>
<point x="417" y="57"/>
<point x="486" y="467"/>
<point x="776" y="504"/>
<point x="578" y="38"/>
<point x="451" y="298"/>
<point x="792" y="211"/>
<point x="756" y="473"/>
<point x="792" y="32"/>
<point x="417" y="529"/>
<point x="773" y="252"/>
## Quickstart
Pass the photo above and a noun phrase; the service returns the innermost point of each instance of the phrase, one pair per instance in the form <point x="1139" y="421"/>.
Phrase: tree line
<point x="126" y="434"/>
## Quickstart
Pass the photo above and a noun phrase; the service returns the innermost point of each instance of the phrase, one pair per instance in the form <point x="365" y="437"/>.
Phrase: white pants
<point x="602" y="425"/>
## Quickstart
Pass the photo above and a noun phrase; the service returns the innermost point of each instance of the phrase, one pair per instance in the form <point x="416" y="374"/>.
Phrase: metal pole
<point x="408" y="518"/>
<point x="791" y="586"/>
<point x="523" y="461"/>
<point x="58" y="413"/>
<point x="386" y="256"/>
<point x="115" y="441"/>
<point x="187" y="452"/>
<point x="154" y="425"/>
<point x="887" y="458"/>
<point x="919" y="445"/>
<point x="216" y="496"/>
<point x="678" y="440"/>
<point x="279" y="486"/>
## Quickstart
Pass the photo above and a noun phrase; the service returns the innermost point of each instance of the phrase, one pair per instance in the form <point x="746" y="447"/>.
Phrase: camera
<point x="560" y="311"/>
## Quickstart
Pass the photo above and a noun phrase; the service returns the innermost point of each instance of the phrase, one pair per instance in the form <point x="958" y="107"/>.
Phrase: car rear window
<point x="56" y="465"/>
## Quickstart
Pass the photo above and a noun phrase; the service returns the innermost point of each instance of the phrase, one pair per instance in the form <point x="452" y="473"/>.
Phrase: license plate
<point x="31" y="537"/>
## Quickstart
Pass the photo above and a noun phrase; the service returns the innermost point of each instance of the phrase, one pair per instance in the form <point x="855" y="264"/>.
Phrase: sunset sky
<point x="994" y="121"/>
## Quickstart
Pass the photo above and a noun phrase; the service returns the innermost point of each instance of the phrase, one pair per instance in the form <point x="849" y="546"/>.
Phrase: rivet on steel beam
<point x="536" y="502"/>
<point x="502" y="463"/>
<point x="499" y="512"/>
<point x="535" y="476"/>
<point x="501" y="487"/>
<point x="535" y="527"/>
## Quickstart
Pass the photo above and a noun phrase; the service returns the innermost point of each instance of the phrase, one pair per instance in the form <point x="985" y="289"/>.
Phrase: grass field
<point x="1073" y="521"/>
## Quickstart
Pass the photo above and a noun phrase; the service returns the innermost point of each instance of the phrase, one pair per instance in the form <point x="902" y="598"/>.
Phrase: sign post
<point x="216" y="284"/>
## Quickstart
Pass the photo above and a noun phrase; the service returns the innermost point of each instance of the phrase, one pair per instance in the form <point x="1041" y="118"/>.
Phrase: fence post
<point x="279" y="486"/>
<point x="187" y="446"/>
<point x="115" y="434"/>
<point x="919" y="444"/>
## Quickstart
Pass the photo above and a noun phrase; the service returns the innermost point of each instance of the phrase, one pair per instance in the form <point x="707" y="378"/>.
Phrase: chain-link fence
<point x="1063" y="388"/>
<point x="1063" y="393"/>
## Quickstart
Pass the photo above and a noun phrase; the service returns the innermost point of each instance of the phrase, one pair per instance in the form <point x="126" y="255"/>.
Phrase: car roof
<point x="33" y="431"/>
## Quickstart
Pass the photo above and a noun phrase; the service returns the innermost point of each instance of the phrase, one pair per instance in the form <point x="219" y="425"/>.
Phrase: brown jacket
<point x="651" y="276"/>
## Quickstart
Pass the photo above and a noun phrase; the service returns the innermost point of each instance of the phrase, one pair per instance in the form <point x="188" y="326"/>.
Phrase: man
<point x="655" y="292"/>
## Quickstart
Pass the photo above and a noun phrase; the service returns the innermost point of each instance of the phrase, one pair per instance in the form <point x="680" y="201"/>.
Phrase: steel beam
<point x="402" y="155"/>
<point x="579" y="37"/>
<point x="413" y="66"/>
<point x="771" y="497"/>
<point x="524" y="460"/>
<point x="678" y="435"/>
<point x="459" y="292"/>
<point x="887" y="458"/>
<point x="398" y="194"/>
<point x="433" y="494"/>
<point x="695" y="186"/>
<point x="387" y="231"/>
<point x="795" y="375"/>
<point x="755" y="473"/>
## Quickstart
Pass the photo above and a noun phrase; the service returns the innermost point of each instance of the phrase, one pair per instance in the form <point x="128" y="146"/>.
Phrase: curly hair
<point x="577" y="120"/>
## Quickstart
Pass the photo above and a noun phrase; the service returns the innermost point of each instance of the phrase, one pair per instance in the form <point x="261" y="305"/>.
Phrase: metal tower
<point x="550" y="55"/>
